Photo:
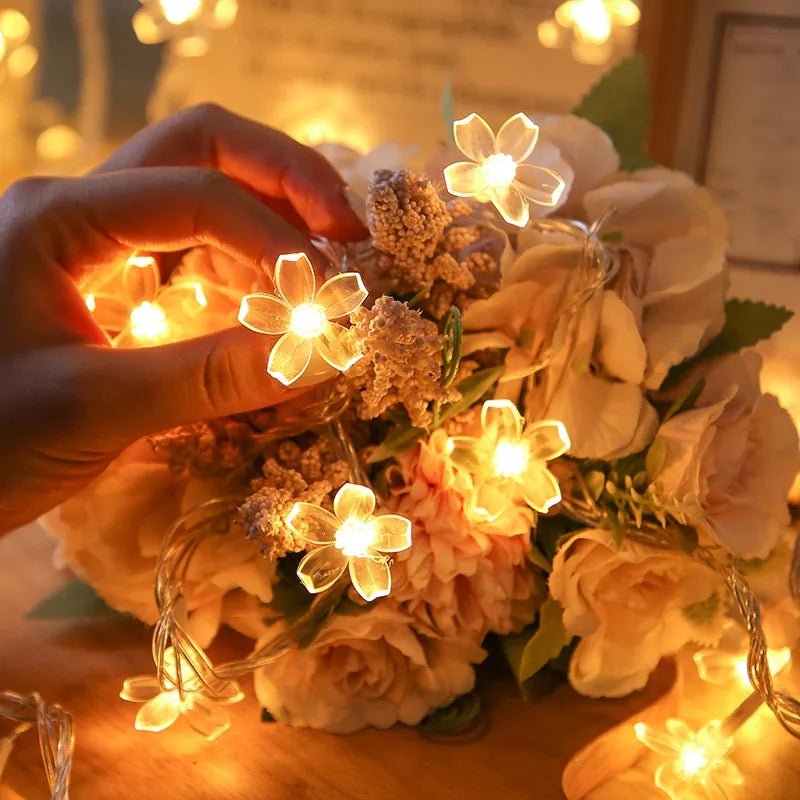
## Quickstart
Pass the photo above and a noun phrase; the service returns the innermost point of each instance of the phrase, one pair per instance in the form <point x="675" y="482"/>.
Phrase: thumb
<point x="138" y="391"/>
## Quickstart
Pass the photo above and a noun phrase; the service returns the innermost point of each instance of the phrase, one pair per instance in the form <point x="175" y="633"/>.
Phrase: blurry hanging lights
<point x="589" y="27"/>
<point x="17" y="58"/>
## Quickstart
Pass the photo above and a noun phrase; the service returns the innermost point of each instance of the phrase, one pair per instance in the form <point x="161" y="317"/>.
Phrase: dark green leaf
<point x="74" y="600"/>
<point x="747" y="322"/>
<point x="619" y="103"/>
<point x="685" y="401"/>
<point x="617" y="527"/>
<point x="266" y="716"/>
<point x="459" y="716"/>
<point x="656" y="458"/>
<point x="451" y="349"/>
<point x="687" y="538"/>
<point x="395" y="443"/>
<point x="529" y="651"/>
<point x="472" y="389"/>
<point x="539" y="559"/>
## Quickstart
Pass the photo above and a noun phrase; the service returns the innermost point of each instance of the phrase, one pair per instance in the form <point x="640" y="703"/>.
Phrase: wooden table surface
<point x="518" y="754"/>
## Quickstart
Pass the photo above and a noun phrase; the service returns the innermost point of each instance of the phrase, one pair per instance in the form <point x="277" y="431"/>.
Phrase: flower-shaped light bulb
<point x="350" y="538"/>
<point x="302" y="315"/>
<point x="187" y="22"/>
<point x="496" y="171"/>
<point x="699" y="763"/>
<point x="163" y="706"/>
<point x="17" y="58"/>
<point x="510" y="458"/>
<point x="135" y="310"/>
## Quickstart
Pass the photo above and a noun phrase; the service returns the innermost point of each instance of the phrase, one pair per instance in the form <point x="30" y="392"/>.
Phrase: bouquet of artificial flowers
<point x="532" y="419"/>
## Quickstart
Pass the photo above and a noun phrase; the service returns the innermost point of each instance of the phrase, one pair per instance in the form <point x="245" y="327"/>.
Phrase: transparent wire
<point x="56" y="735"/>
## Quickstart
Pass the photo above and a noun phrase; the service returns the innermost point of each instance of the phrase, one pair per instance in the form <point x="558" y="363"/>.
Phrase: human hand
<point x="68" y="402"/>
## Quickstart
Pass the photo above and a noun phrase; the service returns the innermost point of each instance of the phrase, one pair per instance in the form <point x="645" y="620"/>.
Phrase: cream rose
<point x="111" y="535"/>
<point x="732" y="459"/>
<point x="626" y="606"/>
<point x="369" y="669"/>
<point x="460" y="575"/>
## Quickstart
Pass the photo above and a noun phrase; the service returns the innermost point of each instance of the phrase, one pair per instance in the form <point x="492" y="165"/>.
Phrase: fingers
<point x="101" y="218"/>
<point x="265" y="159"/>
<point x="133" y="392"/>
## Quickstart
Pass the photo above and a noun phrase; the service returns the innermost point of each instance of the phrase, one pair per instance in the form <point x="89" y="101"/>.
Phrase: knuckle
<point x="219" y="381"/>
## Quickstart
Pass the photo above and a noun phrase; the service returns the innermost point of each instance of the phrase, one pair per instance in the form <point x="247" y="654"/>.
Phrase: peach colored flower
<point x="626" y="605"/>
<point x="460" y="574"/>
<point x="374" y="669"/>
<point x="732" y="459"/>
<point x="111" y="534"/>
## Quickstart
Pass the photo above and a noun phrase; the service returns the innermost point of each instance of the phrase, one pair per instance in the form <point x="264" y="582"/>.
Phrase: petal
<point x="492" y="498"/>
<point x="546" y="439"/>
<point x="371" y="579"/>
<point x="321" y="568"/>
<point x="658" y="740"/>
<point x="289" y="358"/>
<point x="140" y="689"/>
<point x="109" y="312"/>
<point x="206" y="717"/>
<point x="294" y="278"/>
<point x="474" y="137"/>
<point x="227" y="693"/>
<point x="465" y="179"/>
<point x="501" y="421"/>
<point x="539" y="184"/>
<point x="337" y="346"/>
<point x="539" y="487"/>
<point x="392" y="533"/>
<point x="182" y="301"/>
<point x="469" y="453"/>
<point x="675" y="782"/>
<point x="511" y="204"/>
<point x="517" y="137"/>
<point x="313" y="524"/>
<point x="341" y="295"/>
<point x="264" y="313"/>
<point x="353" y="500"/>
<point x="140" y="280"/>
<point x="159" y="713"/>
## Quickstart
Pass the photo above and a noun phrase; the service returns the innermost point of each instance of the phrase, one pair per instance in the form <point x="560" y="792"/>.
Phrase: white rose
<point x="626" y="605"/>
<point x="732" y="459"/>
<point x="369" y="669"/>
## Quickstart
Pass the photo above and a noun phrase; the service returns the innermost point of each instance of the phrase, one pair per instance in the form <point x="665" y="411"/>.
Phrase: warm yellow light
<point x="625" y="13"/>
<point x="355" y="537"/>
<point x="22" y="60"/>
<point x="591" y="22"/>
<point x="14" y="25"/>
<point x="2" y="46"/>
<point x="91" y="303"/>
<point x="200" y="296"/>
<point x="500" y="169"/>
<point x="510" y="459"/>
<point x="176" y="12"/>
<point x="693" y="759"/>
<point x="58" y="143"/>
<point x="143" y="262"/>
<point x="777" y="660"/>
<point x="148" y="321"/>
<point x="225" y="12"/>
<point x="550" y="34"/>
<point x="307" y="320"/>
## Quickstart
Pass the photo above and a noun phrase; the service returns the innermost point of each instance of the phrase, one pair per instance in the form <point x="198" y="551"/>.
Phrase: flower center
<point x="499" y="170"/>
<point x="693" y="759"/>
<point x="355" y="537"/>
<point x="148" y="321"/>
<point x="510" y="459"/>
<point x="308" y="320"/>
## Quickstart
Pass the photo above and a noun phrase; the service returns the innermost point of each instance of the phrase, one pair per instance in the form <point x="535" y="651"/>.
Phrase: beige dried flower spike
<point x="496" y="172"/>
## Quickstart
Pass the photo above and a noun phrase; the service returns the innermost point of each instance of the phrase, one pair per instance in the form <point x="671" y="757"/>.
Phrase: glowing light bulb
<point x="142" y="262"/>
<point x="591" y="21"/>
<point x="91" y="303"/>
<point x="148" y="321"/>
<point x="14" y="25"/>
<point x="3" y="46"/>
<point x="307" y="320"/>
<point x="693" y="759"/>
<point x="176" y="12"/>
<point x="58" y="143"/>
<point x="225" y="12"/>
<point x="355" y="537"/>
<point x="500" y="170"/>
<point x="510" y="459"/>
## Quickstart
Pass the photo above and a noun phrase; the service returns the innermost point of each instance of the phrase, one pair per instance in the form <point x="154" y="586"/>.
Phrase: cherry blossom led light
<point x="302" y="316"/>
<point x="17" y="58"/>
<point x="510" y="459"/>
<point x="351" y="538"/>
<point x="184" y="697"/>
<point x="497" y="172"/>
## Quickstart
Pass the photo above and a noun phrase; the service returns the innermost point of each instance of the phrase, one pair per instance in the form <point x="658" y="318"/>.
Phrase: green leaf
<point x="73" y="600"/>
<point x="747" y="322"/>
<point x="687" y="538"/>
<point x="451" y="349"/>
<point x="685" y="401"/>
<point x="617" y="527"/>
<point x="447" y="107"/>
<point x="656" y="458"/>
<point x="394" y="443"/>
<point x="472" y="389"/>
<point x="619" y="103"/>
<point x="266" y="716"/>
<point x="459" y="716"/>
<point x="528" y="653"/>
<point x="539" y="559"/>
<point x="290" y="599"/>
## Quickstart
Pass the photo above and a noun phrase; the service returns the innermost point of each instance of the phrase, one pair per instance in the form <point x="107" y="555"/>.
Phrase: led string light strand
<point x="56" y="736"/>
